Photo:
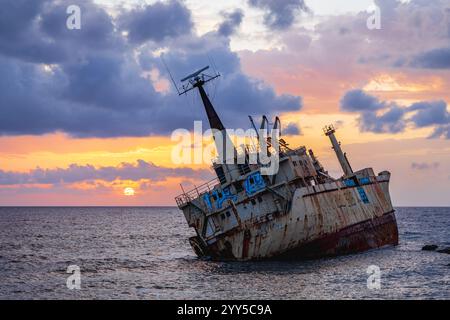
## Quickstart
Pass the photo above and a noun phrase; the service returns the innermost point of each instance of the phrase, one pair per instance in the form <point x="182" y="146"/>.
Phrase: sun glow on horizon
<point x="128" y="191"/>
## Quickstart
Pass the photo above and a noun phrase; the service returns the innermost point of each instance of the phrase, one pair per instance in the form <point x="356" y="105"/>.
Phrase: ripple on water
<point x="143" y="253"/>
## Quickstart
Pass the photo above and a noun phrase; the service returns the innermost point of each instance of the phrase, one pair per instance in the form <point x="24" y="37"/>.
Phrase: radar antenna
<point x="197" y="79"/>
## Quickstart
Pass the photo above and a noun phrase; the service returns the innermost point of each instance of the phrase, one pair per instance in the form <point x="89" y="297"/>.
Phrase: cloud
<point x="389" y="122"/>
<point x="20" y="35"/>
<point x="85" y="173"/>
<point x="441" y="132"/>
<point x="424" y="165"/>
<point x="434" y="59"/>
<point x="97" y="28"/>
<point x="341" y="53"/>
<point x="291" y="129"/>
<point x="95" y="82"/>
<point x="36" y="32"/>
<point x="156" y="22"/>
<point x="430" y="113"/>
<point x="358" y="100"/>
<point x="279" y="14"/>
<point x="387" y="117"/>
<point x="231" y="22"/>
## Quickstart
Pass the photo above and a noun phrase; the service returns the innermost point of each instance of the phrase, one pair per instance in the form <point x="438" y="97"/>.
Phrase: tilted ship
<point x="298" y="213"/>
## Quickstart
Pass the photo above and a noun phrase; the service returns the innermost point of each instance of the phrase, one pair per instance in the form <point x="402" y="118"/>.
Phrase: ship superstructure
<point x="298" y="212"/>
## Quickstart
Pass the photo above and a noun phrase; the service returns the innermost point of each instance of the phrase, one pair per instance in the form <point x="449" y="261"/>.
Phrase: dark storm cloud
<point x="97" y="28"/>
<point x="81" y="173"/>
<point x="280" y="14"/>
<point x="232" y="21"/>
<point x="382" y="117"/>
<point x="20" y="35"/>
<point x="434" y="59"/>
<point x="93" y="84"/>
<point x="84" y="102"/>
<point x="156" y="22"/>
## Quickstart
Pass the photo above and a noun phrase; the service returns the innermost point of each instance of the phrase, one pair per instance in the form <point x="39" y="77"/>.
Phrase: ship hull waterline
<point x="366" y="235"/>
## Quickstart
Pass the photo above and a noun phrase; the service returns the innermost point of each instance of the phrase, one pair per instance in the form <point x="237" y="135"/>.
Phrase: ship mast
<point x="224" y="146"/>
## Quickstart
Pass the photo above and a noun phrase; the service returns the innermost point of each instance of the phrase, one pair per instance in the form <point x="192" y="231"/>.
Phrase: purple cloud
<point x="292" y="129"/>
<point x="393" y="118"/>
<point x="424" y="165"/>
<point x="156" y="22"/>
<point x="357" y="100"/>
<point x="93" y="85"/>
<point x="280" y="14"/>
<point x="232" y="21"/>
<point x="82" y="173"/>
<point x="434" y="59"/>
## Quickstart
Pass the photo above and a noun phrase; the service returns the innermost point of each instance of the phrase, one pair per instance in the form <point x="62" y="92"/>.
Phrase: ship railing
<point x="190" y="195"/>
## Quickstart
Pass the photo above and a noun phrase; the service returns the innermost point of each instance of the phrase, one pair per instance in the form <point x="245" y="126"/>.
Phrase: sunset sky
<point x="86" y="114"/>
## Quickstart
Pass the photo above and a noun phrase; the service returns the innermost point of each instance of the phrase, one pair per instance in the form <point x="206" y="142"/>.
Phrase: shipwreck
<point x="300" y="212"/>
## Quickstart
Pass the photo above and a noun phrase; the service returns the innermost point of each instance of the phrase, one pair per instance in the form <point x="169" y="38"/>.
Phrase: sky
<point x="86" y="115"/>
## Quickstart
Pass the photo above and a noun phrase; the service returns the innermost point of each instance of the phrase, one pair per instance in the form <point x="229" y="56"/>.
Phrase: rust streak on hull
<point x="370" y="234"/>
<point x="366" y="235"/>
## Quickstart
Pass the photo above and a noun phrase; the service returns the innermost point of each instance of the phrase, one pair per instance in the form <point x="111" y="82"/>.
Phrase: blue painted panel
<point x="207" y="200"/>
<point x="225" y="195"/>
<point x="254" y="183"/>
<point x="349" y="182"/>
<point x="363" y="195"/>
<point x="364" y="180"/>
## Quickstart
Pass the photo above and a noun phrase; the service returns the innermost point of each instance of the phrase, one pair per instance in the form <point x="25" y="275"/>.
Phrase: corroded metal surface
<point x="324" y="220"/>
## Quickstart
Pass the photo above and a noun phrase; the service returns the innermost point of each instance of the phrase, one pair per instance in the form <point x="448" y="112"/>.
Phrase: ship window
<point x="251" y="180"/>
<point x="222" y="216"/>
<point x="295" y="163"/>
<point x="238" y="186"/>
<point x="253" y="201"/>
<point x="259" y="199"/>
<point x="228" y="213"/>
<point x="221" y="175"/>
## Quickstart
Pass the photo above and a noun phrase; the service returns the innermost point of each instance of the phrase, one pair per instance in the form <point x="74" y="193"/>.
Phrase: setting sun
<point x="128" y="191"/>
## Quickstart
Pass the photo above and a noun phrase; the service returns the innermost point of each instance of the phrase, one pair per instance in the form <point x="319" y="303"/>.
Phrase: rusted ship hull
<point x="370" y="234"/>
<point x="328" y="220"/>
